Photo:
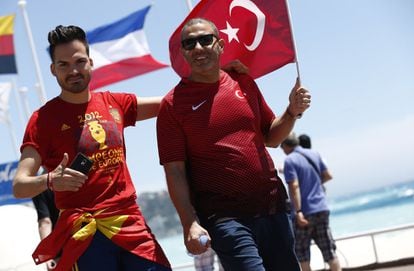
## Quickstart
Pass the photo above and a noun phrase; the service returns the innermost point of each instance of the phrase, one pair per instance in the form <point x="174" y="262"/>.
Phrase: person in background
<point x="212" y="130"/>
<point x="305" y="173"/>
<point x="100" y="226"/>
<point x="305" y="141"/>
<point x="47" y="215"/>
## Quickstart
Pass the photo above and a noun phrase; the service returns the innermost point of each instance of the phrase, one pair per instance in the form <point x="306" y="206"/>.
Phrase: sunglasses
<point x="203" y="40"/>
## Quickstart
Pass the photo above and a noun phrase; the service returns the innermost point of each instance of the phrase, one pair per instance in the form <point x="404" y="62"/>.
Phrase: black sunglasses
<point x="203" y="40"/>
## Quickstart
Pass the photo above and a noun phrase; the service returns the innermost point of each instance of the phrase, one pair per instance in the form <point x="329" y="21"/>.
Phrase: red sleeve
<point x="32" y="134"/>
<point x="170" y="136"/>
<point x="129" y="105"/>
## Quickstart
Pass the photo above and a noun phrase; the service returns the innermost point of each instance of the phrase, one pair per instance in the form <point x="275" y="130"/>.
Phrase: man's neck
<point x="210" y="77"/>
<point x="75" y="98"/>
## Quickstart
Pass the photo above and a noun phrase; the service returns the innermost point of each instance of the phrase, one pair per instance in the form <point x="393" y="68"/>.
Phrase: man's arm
<point x="299" y="101"/>
<point x="27" y="184"/>
<point x="148" y="107"/>
<point x="326" y="176"/>
<point x="45" y="227"/>
<point x="180" y="195"/>
<point x="294" y="192"/>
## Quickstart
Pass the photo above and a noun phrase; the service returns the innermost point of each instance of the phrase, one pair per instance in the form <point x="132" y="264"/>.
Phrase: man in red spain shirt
<point x="100" y="226"/>
<point x="213" y="129"/>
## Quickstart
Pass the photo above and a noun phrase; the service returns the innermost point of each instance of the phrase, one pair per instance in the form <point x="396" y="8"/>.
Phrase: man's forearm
<point x="280" y="129"/>
<point x="45" y="227"/>
<point x="180" y="194"/>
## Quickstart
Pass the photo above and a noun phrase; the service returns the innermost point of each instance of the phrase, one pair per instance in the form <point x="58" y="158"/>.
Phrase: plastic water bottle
<point x="203" y="239"/>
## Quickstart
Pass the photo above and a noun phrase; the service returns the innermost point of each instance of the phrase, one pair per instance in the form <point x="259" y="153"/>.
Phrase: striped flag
<point x="5" y="89"/>
<point x="120" y="50"/>
<point x="7" y="59"/>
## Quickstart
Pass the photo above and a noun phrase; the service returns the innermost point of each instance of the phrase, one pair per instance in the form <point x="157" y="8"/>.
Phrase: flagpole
<point x="24" y="101"/>
<point x="293" y="41"/>
<point x="12" y="135"/>
<point x="40" y="87"/>
<point x="18" y="102"/>
<point x="189" y="5"/>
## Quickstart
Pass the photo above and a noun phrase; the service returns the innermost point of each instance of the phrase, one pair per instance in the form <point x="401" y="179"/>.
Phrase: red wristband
<point x="49" y="182"/>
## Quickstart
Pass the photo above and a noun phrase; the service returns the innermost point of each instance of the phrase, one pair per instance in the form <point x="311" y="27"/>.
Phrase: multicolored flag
<point x="7" y="59"/>
<point x="120" y="50"/>
<point x="257" y="32"/>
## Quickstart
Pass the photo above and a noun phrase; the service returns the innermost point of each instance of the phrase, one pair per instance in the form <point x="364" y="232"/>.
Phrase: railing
<point x="386" y="247"/>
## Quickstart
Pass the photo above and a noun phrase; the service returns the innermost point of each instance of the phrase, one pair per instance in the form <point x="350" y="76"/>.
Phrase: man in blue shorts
<point x="213" y="129"/>
<point x="305" y="173"/>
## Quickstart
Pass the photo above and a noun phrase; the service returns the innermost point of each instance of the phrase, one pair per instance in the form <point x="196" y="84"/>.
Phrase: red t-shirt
<point x="95" y="129"/>
<point x="218" y="129"/>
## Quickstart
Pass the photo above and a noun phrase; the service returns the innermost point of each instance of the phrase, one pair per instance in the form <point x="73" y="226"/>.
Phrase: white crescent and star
<point x="261" y="18"/>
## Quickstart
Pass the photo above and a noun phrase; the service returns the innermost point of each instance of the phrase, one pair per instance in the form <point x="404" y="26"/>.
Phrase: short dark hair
<point x="305" y="141"/>
<point x="65" y="34"/>
<point x="194" y="21"/>
<point x="291" y="140"/>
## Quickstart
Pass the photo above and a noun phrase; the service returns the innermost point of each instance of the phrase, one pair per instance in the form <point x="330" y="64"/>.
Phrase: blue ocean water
<point x="377" y="209"/>
<point x="372" y="210"/>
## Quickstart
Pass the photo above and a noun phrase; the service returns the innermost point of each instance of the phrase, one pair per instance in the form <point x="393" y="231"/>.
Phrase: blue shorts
<point x="255" y="244"/>
<point x="103" y="254"/>
<point x="318" y="230"/>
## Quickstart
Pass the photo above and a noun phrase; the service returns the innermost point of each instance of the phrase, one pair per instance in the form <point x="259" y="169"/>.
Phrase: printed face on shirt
<point x="201" y="48"/>
<point x="72" y="66"/>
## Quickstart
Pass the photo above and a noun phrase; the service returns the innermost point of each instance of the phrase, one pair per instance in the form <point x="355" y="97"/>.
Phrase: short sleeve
<point x="32" y="135"/>
<point x="289" y="171"/>
<point x="129" y="105"/>
<point x="170" y="136"/>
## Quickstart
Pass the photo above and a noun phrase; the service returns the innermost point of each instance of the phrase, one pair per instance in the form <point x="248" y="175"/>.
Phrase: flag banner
<point x="257" y="32"/>
<point x="5" y="89"/>
<point x="7" y="58"/>
<point x="120" y="50"/>
<point x="7" y="172"/>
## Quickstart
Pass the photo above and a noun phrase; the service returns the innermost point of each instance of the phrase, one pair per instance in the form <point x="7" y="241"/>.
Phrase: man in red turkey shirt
<point x="213" y="129"/>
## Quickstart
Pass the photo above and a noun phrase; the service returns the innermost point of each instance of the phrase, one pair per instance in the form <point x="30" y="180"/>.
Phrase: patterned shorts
<point x="318" y="230"/>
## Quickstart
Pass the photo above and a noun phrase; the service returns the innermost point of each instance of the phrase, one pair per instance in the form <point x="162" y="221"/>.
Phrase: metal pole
<point x="189" y="5"/>
<point x="12" y="135"/>
<point x="294" y="43"/>
<point x="23" y="120"/>
<point x="41" y="88"/>
<point x="24" y="100"/>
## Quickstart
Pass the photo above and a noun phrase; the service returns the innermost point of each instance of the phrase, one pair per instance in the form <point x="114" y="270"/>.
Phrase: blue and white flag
<point x="120" y="50"/>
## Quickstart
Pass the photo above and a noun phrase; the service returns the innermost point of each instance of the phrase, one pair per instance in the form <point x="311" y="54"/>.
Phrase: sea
<point x="357" y="213"/>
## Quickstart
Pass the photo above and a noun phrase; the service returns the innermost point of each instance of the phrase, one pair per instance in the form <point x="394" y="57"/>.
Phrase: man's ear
<point x="221" y="45"/>
<point x="52" y="69"/>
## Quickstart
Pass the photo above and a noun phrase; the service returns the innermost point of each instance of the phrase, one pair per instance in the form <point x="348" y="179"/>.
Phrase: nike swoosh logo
<point x="195" y="107"/>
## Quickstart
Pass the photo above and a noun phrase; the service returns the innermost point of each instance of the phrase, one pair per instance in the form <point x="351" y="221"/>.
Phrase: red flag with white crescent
<point x="257" y="32"/>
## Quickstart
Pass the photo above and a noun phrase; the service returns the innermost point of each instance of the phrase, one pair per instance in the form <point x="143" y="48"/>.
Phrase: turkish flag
<point x="257" y="32"/>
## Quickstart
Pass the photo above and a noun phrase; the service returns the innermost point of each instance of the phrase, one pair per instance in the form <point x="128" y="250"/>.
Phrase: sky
<point x="355" y="57"/>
